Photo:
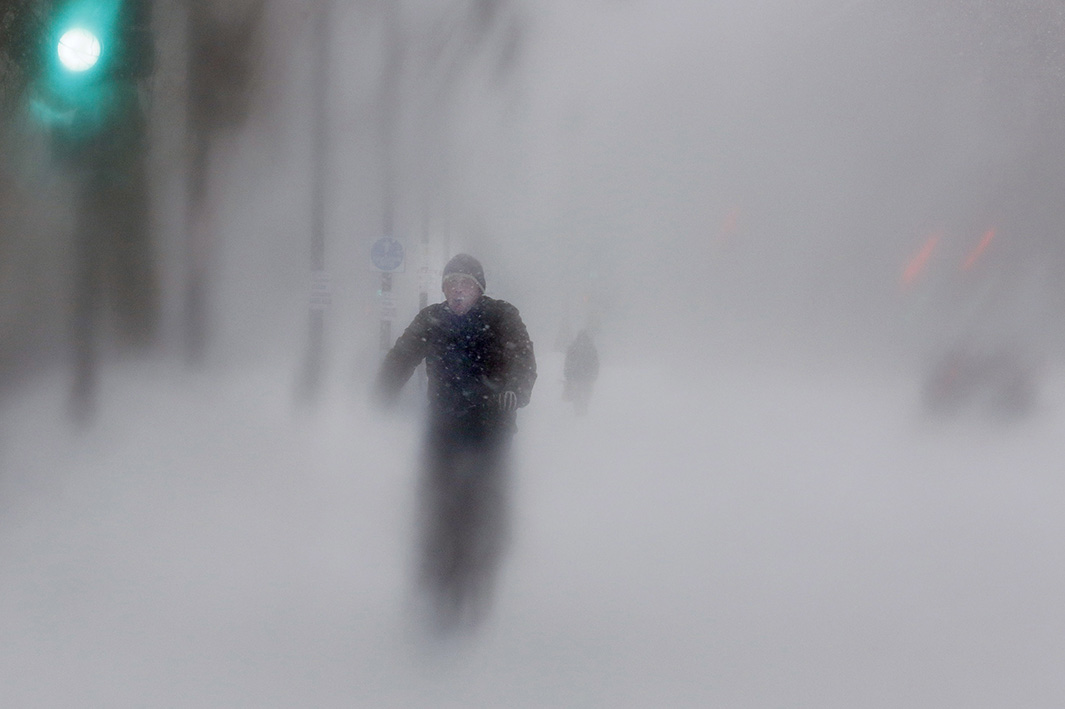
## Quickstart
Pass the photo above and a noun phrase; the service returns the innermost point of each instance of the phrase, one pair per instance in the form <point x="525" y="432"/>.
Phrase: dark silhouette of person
<point x="481" y="369"/>
<point x="580" y="369"/>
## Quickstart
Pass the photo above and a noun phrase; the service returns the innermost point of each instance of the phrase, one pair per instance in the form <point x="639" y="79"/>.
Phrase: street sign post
<point x="386" y="254"/>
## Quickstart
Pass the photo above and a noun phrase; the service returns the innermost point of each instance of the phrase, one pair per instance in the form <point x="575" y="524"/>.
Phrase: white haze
<point x="755" y="513"/>
<point x="747" y="539"/>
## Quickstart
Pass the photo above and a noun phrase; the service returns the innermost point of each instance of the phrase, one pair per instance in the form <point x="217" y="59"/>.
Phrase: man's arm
<point x="521" y="362"/>
<point x="402" y="359"/>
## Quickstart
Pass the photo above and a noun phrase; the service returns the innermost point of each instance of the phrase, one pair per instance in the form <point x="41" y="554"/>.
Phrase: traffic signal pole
<point x="96" y="55"/>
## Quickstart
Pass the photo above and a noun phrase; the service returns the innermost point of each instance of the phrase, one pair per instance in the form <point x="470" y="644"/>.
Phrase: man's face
<point x="461" y="293"/>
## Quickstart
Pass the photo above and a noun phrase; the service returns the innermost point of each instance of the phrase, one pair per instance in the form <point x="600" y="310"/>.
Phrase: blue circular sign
<point x="387" y="254"/>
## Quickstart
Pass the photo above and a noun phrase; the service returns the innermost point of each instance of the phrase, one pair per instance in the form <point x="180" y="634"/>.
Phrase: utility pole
<point x="320" y="296"/>
<point x="198" y="136"/>
<point x="220" y="65"/>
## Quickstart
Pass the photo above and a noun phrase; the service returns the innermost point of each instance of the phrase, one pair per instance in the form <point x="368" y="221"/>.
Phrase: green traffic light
<point x="94" y="53"/>
<point x="79" y="49"/>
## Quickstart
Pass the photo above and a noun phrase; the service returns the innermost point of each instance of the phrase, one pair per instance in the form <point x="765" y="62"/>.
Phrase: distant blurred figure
<point x="581" y="369"/>
<point x="481" y="369"/>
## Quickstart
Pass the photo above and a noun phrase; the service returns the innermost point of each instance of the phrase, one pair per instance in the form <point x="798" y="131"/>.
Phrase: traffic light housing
<point x="91" y="53"/>
<point x="121" y="29"/>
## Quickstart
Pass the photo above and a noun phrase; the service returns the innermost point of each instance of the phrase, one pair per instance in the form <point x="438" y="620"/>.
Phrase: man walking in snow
<point x="481" y="369"/>
<point x="581" y="368"/>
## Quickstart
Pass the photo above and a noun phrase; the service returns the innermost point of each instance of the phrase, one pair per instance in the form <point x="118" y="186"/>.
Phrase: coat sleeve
<point x="521" y="362"/>
<point x="400" y="362"/>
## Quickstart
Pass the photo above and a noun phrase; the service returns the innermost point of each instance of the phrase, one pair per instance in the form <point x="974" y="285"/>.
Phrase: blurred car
<point x="999" y="381"/>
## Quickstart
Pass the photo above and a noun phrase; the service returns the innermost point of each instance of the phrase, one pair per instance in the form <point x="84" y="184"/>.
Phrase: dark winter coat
<point x="469" y="359"/>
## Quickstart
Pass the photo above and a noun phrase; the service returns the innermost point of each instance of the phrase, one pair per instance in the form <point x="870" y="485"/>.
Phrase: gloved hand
<point x="508" y="401"/>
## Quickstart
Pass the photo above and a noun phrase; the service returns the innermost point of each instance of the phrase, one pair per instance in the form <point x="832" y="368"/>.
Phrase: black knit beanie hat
<point x="465" y="265"/>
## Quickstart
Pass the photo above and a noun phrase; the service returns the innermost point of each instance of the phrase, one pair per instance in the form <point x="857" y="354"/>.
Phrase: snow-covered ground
<point x="743" y="540"/>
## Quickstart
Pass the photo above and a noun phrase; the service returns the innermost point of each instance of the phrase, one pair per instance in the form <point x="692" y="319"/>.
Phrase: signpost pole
<point x="386" y="323"/>
<point x="387" y="257"/>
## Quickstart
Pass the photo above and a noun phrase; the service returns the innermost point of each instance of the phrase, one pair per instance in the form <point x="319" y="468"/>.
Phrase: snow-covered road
<point x="744" y="540"/>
